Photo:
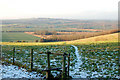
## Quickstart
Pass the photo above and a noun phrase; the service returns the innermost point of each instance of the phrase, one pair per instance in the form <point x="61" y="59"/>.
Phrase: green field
<point x="100" y="60"/>
<point x="15" y="36"/>
<point x="99" y="55"/>
<point x="22" y="56"/>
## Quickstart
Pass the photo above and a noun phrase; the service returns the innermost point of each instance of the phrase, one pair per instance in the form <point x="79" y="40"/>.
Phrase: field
<point x="97" y="39"/>
<point x="66" y="29"/>
<point x="98" y="56"/>
<point x="22" y="56"/>
<point x="17" y="36"/>
<point x="99" y="60"/>
<point x="92" y="44"/>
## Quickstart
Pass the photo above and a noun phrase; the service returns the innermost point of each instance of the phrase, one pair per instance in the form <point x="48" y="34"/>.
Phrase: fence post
<point x="13" y="55"/>
<point x="68" y="63"/>
<point x="31" y="59"/>
<point x="48" y="60"/>
<point x="64" y="64"/>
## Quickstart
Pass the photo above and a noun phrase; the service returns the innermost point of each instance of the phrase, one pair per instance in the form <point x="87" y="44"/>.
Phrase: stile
<point x="65" y="69"/>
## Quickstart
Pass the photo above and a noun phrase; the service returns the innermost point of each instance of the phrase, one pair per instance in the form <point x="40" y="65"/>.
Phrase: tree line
<point x="71" y="37"/>
<point x="46" y="32"/>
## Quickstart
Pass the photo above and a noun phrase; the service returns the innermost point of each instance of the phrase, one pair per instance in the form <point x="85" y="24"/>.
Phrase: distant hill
<point x="34" y="24"/>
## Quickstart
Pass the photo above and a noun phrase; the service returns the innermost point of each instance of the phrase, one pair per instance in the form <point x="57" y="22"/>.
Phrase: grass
<point x="14" y="36"/>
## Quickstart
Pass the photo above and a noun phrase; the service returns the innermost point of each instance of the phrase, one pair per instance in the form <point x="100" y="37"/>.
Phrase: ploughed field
<point x="98" y="60"/>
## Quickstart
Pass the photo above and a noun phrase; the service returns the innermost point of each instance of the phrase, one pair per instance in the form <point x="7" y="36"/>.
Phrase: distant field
<point x="98" y="39"/>
<point x="14" y="36"/>
<point x="61" y="25"/>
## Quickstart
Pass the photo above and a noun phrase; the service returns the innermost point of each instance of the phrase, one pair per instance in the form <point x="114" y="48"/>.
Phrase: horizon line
<point x="56" y="18"/>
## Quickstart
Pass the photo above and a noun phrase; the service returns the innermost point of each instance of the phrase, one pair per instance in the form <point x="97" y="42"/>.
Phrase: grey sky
<point x="72" y="9"/>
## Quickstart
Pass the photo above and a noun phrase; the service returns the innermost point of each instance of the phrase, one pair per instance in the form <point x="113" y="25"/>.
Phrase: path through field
<point x="76" y="73"/>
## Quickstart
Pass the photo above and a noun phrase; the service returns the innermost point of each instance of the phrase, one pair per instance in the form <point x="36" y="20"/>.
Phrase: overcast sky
<point x="70" y="9"/>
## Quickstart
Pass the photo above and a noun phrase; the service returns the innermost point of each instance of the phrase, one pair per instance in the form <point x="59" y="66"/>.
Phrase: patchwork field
<point x="98" y="39"/>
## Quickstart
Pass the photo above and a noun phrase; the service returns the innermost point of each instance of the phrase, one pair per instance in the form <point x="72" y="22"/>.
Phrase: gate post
<point x="68" y="63"/>
<point x="64" y="64"/>
<point x="13" y="55"/>
<point x="31" y="59"/>
<point x="48" y="60"/>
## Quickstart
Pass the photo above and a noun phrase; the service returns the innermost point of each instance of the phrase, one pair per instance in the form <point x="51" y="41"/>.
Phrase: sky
<point x="67" y="9"/>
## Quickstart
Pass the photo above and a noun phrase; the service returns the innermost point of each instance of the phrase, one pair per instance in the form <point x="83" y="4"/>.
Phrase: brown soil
<point x="41" y="36"/>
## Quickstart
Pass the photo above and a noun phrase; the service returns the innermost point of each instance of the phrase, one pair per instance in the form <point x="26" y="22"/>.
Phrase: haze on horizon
<point x="66" y="9"/>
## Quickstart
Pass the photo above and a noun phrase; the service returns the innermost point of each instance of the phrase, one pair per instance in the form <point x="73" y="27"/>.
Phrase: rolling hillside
<point x="97" y="39"/>
<point x="102" y="38"/>
<point x="34" y="24"/>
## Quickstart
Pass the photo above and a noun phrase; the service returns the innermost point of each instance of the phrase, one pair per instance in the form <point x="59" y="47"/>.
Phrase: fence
<point x="64" y="69"/>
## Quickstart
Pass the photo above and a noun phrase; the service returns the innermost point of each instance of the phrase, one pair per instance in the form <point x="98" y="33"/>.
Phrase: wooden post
<point x="31" y="59"/>
<point x="64" y="64"/>
<point x="13" y="55"/>
<point x="48" y="60"/>
<point x="68" y="63"/>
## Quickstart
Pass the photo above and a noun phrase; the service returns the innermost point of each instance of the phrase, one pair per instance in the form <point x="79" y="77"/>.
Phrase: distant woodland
<point x="46" y="32"/>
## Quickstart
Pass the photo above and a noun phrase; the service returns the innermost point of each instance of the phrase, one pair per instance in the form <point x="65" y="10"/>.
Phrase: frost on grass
<point x="11" y="71"/>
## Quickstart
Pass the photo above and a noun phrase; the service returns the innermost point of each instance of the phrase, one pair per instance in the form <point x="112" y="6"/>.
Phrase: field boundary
<point x="64" y="73"/>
